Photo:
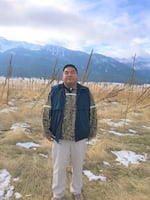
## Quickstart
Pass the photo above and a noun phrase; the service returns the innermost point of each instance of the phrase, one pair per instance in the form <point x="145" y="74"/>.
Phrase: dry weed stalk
<point x="112" y="93"/>
<point x="130" y="88"/>
<point x="142" y="96"/>
<point x="7" y="79"/>
<point x="53" y="78"/>
<point x="86" y="71"/>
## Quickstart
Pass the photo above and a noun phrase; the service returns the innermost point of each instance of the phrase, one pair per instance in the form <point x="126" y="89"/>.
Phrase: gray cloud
<point x="12" y="14"/>
<point x="87" y="23"/>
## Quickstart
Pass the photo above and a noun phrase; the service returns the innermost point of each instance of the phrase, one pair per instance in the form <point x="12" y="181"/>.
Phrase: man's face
<point x="70" y="77"/>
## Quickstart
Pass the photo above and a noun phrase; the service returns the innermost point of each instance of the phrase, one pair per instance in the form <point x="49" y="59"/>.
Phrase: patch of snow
<point x="146" y="126"/>
<point x="129" y="157"/>
<point x="27" y="145"/>
<point x="7" y="110"/>
<point x="91" y="176"/>
<point x="43" y="155"/>
<point x="7" y="190"/>
<point x="92" y="141"/>
<point x="4" y="180"/>
<point x="18" y="195"/>
<point x="106" y="163"/>
<point x="119" y="134"/>
<point x="11" y="103"/>
<point x="20" y="125"/>
<point x="16" y="179"/>
<point x="116" y="124"/>
<point x="132" y="131"/>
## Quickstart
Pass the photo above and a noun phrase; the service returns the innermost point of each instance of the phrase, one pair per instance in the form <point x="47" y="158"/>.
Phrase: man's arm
<point x="46" y="119"/>
<point x="93" y="118"/>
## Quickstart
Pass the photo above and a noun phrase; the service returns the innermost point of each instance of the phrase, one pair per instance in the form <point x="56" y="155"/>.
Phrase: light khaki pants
<point x="61" y="153"/>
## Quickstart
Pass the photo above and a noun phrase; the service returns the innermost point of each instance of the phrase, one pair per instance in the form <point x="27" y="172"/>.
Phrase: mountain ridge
<point x="33" y="60"/>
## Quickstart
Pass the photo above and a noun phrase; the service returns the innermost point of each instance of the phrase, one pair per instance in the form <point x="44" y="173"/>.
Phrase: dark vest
<point x="82" y="123"/>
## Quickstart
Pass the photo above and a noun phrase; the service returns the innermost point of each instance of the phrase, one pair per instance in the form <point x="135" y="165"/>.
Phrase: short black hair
<point x="70" y="65"/>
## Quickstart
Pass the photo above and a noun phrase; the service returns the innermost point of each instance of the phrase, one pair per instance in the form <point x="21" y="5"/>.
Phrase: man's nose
<point x="70" y="74"/>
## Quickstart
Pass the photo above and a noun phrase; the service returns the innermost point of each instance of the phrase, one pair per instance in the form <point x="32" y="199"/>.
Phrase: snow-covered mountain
<point x="6" y="45"/>
<point x="140" y="62"/>
<point x="32" y="60"/>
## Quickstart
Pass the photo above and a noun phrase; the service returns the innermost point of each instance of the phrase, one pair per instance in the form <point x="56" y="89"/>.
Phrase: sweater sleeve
<point x="46" y="117"/>
<point x="93" y="118"/>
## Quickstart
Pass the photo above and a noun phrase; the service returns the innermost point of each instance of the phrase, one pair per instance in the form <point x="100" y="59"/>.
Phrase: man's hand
<point x="51" y="138"/>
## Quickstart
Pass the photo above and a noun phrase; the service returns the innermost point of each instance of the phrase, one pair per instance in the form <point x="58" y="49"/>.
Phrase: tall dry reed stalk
<point x="7" y="79"/>
<point x="130" y="88"/>
<point x="144" y="93"/>
<point x="52" y="79"/>
<point x="86" y="70"/>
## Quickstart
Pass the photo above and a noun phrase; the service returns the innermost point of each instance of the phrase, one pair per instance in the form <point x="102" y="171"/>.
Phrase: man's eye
<point x="66" y="73"/>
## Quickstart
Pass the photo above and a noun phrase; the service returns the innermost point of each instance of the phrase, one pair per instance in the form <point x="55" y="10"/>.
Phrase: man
<point x="69" y="119"/>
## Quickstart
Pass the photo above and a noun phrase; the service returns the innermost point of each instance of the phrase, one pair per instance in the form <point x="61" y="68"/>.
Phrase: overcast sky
<point x="117" y="28"/>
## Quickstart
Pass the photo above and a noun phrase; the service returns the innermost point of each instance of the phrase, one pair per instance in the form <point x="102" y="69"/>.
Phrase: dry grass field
<point x="123" y="126"/>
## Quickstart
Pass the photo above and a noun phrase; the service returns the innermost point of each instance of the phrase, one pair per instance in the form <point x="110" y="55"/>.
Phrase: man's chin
<point x="70" y="82"/>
